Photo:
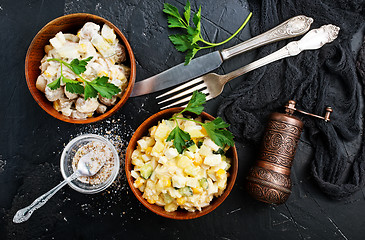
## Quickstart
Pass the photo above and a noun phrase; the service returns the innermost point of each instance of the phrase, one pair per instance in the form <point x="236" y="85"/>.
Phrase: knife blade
<point x="180" y="73"/>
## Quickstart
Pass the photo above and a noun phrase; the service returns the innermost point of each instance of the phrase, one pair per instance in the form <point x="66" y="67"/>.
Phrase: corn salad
<point x="189" y="180"/>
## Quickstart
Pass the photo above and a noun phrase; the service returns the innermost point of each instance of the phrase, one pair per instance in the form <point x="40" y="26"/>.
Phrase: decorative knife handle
<point x="292" y="27"/>
<point x="314" y="39"/>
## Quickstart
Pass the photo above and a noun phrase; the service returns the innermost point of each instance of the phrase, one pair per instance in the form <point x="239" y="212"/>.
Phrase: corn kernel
<point x="102" y="73"/>
<point x="56" y="105"/>
<point x="168" y="183"/>
<point x="197" y="190"/>
<point x="139" y="182"/>
<point x="220" y="173"/>
<point x="198" y="160"/>
<point x="90" y="115"/>
<point x="148" y="150"/>
<point x="47" y="74"/>
<point x="204" y="132"/>
<point x="180" y="200"/>
<point x="151" y="201"/>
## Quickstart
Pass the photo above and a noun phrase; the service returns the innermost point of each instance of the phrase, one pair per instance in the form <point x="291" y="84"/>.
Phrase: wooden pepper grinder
<point x="269" y="180"/>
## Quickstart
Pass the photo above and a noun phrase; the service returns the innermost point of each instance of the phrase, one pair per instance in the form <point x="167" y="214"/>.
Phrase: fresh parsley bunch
<point x="189" y="41"/>
<point x="89" y="89"/>
<point x="215" y="129"/>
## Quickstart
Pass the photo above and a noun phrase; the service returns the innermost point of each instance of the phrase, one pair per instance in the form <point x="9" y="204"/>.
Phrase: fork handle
<point x="292" y="27"/>
<point x="314" y="39"/>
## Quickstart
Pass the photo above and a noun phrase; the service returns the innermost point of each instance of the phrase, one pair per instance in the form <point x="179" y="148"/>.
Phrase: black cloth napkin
<point x="310" y="79"/>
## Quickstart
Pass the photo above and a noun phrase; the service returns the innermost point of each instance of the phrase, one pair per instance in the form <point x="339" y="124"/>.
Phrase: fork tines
<point x="175" y="94"/>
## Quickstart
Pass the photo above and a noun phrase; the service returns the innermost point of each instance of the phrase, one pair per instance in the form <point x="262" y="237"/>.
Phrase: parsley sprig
<point x="189" y="42"/>
<point x="215" y="129"/>
<point x="90" y="89"/>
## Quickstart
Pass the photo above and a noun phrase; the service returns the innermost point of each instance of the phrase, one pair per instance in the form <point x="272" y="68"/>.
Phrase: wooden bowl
<point x="179" y="214"/>
<point x="70" y="24"/>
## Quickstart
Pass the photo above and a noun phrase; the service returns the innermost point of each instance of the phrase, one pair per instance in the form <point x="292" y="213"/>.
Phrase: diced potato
<point x="171" y="153"/>
<point x="178" y="181"/>
<point x="58" y="41"/>
<point x="184" y="162"/>
<point x="162" y="160"/>
<point x="171" y="207"/>
<point x="212" y="159"/>
<point x="157" y="149"/>
<point x="134" y="174"/>
<point x="146" y="158"/>
<point x="108" y="34"/>
<point x="192" y="170"/>
<point x="205" y="151"/>
<point x="137" y="162"/>
<point x="102" y="45"/>
<point x="209" y="143"/>
<point x="162" y="131"/>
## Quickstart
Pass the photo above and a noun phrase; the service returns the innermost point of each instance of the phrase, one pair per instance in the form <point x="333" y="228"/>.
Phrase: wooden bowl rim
<point x="44" y="104"/>
<point x="180" y="214"/>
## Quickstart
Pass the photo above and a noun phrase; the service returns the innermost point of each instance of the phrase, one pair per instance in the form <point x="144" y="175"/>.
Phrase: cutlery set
<point x="212" y="84"/>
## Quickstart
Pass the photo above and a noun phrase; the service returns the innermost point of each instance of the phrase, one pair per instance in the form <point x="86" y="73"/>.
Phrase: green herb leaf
<point x="217" y="132"/>
<point x="89" y="92"/>
<point x="195" y="105"/>
<point x="197" y="18"/>
<point x="79" y="66"/>
<point x="174" y="22"/>
<point x="181" y="42"/>
<point x="187" y="9"/>
<point x="190" y="55"/>
<point x="219" y="151"/>
<point x="55" y="84"/>
<point x="189" y="41"/>
<point x="171" y="10"/>
<point x="180" y="137"/>
<point x="66" y="80"/>
<point x="194" y="35"/>
<point x="75" y="88"/>
<point x="107" y="90"/>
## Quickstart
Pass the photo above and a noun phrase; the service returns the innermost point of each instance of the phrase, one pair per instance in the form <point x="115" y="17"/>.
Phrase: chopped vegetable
<point x="186" y="191"/>
<point x="203" y="183"/>
<point x="146" y="171"/>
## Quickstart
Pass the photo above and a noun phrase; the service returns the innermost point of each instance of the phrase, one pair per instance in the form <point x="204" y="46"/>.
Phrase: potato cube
<point x="212" y="159"/>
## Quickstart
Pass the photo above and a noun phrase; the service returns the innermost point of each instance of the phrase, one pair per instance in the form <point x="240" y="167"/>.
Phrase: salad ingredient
<point x="189" y="42"/>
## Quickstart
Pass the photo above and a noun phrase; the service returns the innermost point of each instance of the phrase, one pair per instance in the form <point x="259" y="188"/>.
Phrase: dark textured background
<point x="31" y="142"/>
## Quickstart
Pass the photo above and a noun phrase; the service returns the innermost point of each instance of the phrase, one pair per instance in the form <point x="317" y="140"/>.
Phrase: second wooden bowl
<point x="70" y="24"/>
<point x="180" y="213"/>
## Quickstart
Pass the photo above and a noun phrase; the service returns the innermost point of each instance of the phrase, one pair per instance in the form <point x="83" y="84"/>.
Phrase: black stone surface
<point x="31" y="142"/>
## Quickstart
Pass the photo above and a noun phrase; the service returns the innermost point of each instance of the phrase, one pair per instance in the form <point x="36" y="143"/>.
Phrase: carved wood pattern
<point x="275" y="178"/>
<point x="267" y="194"/>
<point x="280" y="142"/>
<point x="268" y="186"/>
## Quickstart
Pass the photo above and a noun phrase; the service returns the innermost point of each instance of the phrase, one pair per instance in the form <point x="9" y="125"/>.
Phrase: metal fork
<point x="212" y="84"/>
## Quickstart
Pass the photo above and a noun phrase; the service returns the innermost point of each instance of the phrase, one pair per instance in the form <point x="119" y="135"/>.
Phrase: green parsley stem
<point x="67" y="65"/>
<point x="220" y="43"/>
